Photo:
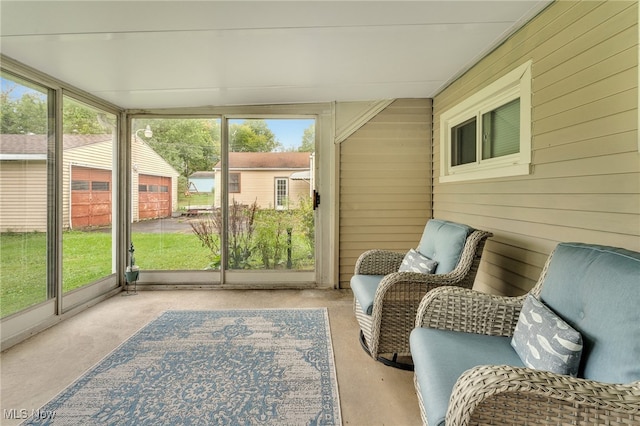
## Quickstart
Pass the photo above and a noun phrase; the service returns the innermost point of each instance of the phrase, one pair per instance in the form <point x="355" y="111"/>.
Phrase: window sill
<point x="487" y="173"/>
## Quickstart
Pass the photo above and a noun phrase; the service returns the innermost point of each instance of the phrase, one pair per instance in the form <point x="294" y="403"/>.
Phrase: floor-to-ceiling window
<point x="58" y="199"/>
<point x="25" y="125"/>
<point x="88" y="194"/>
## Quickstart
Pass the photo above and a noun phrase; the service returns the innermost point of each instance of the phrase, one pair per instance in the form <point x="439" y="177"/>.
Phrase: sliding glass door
<point x="233" y="202"/>
<point x="270" y="182"/>
<point x="172" y="192"/>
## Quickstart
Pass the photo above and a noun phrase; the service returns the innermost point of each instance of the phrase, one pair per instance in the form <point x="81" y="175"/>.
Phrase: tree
<point x="81" y="119"/>
<point x="308" y="139"/>
<point x="189" y="145"/>
<point x="24" y="115"/>
<point x="28" y="114"/>
<point x="252" y="136"/>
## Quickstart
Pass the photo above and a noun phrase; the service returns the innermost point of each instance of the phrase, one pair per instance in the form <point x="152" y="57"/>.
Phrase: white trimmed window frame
<point x="515" y="84"/>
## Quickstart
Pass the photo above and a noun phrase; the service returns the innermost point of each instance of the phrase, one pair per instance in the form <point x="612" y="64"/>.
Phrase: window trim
<point x="237" y="177"/>
<point x="281" y="206"/>
<point x="513" y="85"/>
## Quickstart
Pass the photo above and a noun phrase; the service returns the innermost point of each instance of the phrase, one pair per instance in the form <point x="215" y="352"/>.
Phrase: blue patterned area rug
<point x="236" y="367"/>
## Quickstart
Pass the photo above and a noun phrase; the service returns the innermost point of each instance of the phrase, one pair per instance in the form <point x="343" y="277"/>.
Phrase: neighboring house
<point x="202" y="182"/>
<point x="87" y="182"/>
<point x="272" y="179"/>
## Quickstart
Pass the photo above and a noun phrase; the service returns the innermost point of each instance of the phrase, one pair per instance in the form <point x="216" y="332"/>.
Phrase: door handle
<point x="316" y="199"/>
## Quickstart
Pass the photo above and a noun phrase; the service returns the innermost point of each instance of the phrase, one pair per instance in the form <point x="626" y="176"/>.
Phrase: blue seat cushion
<point x="596" y="290"/>
<point x="441" y="356"/>
<point x="443" y="241"/>
<point x="364" y="290"/>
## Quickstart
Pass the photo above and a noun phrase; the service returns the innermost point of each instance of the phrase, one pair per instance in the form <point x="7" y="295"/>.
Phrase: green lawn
<point x="86" y="258"/>
<point x="195" y="199"/>
<point x="23" y="270"/>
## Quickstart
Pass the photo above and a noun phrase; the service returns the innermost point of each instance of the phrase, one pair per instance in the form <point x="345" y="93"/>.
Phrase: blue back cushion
<point x="596" y="290"/>
<point x="443" y="242"/>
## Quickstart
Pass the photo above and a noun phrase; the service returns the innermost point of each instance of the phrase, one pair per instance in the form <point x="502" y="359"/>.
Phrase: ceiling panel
<point x="159" y="54"/>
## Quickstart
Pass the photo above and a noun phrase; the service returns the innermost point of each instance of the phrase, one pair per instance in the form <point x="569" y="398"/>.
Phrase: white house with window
<point x="271" y="179"/>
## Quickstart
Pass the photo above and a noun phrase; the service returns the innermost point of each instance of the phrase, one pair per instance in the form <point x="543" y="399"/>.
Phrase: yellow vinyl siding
<point x="259" y="186"/>
<point x="23" y="196"/>
<point x="585" y="178"/>
<point x="385" y="175"/>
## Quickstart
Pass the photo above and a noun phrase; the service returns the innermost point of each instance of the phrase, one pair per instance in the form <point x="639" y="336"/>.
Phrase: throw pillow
<point x="544" y="341"/>
<point x="415" y="262"/>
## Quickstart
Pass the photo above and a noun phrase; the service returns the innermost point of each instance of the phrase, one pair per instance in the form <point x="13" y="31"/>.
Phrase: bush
<point x="261" y="238"/>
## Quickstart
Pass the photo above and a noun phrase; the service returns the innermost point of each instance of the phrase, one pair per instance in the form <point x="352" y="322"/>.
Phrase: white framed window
<point x="488" y="135"/>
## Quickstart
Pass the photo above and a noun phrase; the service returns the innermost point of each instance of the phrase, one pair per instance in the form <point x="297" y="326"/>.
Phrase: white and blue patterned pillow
<point x="544" y="341"/>
<point x="415" y="262"/>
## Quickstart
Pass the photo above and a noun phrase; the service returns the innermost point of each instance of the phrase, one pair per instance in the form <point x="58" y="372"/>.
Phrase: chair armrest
<point x="515" y="395"/>
<point x="378" y="262"/>
<point x="394" y="310"/>
<point x="466" y="310"/>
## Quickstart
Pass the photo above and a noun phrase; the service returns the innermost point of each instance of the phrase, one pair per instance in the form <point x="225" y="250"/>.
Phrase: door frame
<point x="325" y="273"/>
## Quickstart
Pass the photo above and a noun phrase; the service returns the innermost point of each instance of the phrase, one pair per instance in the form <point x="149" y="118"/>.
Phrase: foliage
<point x="189" y="145"/>
<point x="261" y="238"/>
<point x="27" y="114"/>
<point x="24" y="115"/>
<point x="308" y="139"/>
<point x="241" y="229"/>
<point x="208" y="230"/>
<point x="252" y="136"/>
<point x="307" y="221"/>
<point x="273" y="229"/>
<point x="81" y="119"/>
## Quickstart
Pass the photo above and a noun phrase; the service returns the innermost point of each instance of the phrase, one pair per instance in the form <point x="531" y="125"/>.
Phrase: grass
<point x="23" y="270"/>
<point x="195" y="199"/>
<point x="86" y="258"/>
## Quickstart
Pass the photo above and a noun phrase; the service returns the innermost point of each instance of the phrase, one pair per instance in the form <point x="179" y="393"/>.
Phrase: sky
<point x="289" y="131"/>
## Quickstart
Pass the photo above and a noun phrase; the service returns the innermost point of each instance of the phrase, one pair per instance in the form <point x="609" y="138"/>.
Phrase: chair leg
<point x="388" y="362"/>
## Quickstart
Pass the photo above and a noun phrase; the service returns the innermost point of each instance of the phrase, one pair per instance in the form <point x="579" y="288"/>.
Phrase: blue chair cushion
<point x="443" y="241"/>
<point x="364" y="290"/>
<point x="441" y="356"/>
<point x="596" y="290"/>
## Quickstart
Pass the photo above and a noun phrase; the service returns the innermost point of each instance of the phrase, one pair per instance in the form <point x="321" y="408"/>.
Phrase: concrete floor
<point x="37" y="369"/>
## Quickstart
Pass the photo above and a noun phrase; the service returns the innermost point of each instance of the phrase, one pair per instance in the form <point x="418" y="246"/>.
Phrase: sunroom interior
<point x="392" y="90"/>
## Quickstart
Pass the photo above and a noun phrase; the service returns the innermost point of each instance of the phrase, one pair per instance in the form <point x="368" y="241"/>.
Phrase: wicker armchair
<point x="385" y="329"/>
<point x="501" y="394"/>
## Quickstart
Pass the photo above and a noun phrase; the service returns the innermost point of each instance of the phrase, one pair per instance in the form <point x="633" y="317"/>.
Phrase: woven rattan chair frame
<point x="504" y="395"/>
<point x="386" y="331"/>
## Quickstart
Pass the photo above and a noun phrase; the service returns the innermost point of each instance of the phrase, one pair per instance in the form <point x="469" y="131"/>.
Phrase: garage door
<point x="90" y="197"/>
<point x="154" y="197"/>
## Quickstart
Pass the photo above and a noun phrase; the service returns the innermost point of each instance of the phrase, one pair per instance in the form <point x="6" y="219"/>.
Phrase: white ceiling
<point x="159" y="54"/>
